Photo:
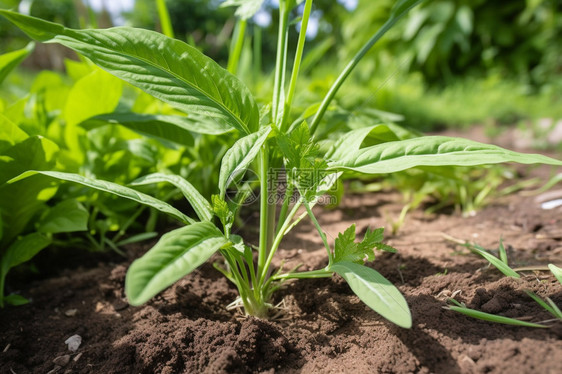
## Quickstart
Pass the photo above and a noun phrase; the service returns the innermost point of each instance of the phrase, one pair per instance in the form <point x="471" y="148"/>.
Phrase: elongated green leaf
<point x="375" y="291"/>
<point x="402" y="7"/>
<point x="166" y="68"/>
<point x="9" y="61"/>
<point x="198" y="202"/>
<point x="431" y="151"/>
<point x="556" y="271"/>
<point x="113" y="188"/>
<point x="493" y="318"/>
<point x="68" y="216"/>
<point x="237" y="159"/>
<point x="171" y="128"/>
<point x="349" y="142"/>
<point x="15" y="300"/>
<point x="176" y="254"/>
<point x="498" y="263"/>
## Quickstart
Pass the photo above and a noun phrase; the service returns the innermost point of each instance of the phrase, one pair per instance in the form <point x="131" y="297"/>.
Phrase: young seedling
<point x="268" y="141"/>
<point x="501" y="263"/>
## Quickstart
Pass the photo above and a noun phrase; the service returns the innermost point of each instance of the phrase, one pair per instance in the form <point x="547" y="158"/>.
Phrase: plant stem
<point x="285" y="207"/>
<point x="347" y="70"/>
<point x="165" y="22"/>
<point x="320" y="232"/>
<point x="264" y="210"/>
<point x="296" y="64"/>
<point x="320" y="273"/>
<point x="281" y="61"/>
<point x="236" y="46"/>
<point x="257" y="52"/>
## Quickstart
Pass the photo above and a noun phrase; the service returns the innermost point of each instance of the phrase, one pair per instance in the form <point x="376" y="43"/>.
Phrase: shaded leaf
<point x="176" y="254"/>
<point x="68" y="216"/>
<point x="9" y="61"/>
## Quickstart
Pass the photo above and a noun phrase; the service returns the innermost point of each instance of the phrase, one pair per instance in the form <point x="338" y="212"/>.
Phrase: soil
<point x="321" y="327"/>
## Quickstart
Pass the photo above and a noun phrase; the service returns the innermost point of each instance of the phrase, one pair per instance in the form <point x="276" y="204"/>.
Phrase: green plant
<point x="268" y="141"/>
<point x="501" y="263"/>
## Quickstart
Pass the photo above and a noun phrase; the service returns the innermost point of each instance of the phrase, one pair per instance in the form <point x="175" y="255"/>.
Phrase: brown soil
<point x="323" y="327"/>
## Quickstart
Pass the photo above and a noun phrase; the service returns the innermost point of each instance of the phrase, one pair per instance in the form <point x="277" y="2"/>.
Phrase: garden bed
<point x="321" y="327"/>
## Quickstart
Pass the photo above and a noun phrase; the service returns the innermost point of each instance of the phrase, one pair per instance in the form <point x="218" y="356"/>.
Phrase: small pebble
<point x="120" y="305"/>
<point x="73" y="342"/>
<point x="77" y="357"/>
<point x="62" y="360"/>
<point x="71" y="312"/>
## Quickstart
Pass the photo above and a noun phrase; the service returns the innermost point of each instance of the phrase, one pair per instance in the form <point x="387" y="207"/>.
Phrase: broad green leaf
<point x="15" y="300"/>
<point x="113" y="188"/>
<point x="498" y="263"/>
<point x="96" y="93"/>
<point x="197" y="201"/>
<point x="246" y="8"/>
<point x="166" y="68"/>
<point x="171" y="128"/>
<point x="375" y="291"/>
<point x="431" y="151"/>
<point x="33" y="152"/>
<point x="492" y="318"/>
<point x="68" y="216"/>
<point x="556" y="271"/>
<point x="176" y="254"/>
<point x="221" y="210"/>
<point x="24" y="249"/>
<point x="237" y="159"/>
<point x="9" y="61"/>
<point x="349" y="142"/>
<point x="10" y="133"/>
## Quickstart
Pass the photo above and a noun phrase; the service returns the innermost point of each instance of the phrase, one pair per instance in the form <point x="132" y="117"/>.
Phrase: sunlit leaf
<point x="556" y="271"/>
<point x="239" y="156"/>
<point x="166" y="68"/>
<point x="9" y="61"/>
<point x="198" y="202"/>
<point x="375" y="291"/>
<point x="68" y="216"/>
<point x="431" y="151"/>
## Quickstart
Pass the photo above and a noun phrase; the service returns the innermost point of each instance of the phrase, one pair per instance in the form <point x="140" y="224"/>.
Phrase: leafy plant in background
<point x="268" y="140"/>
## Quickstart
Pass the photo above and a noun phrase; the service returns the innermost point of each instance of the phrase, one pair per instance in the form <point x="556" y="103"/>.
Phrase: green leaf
<point x="246" y="8"/>
<point x="556" y="271"/>
<point x="10" y="133"/>
<point x="15" y="300"/>
<point x="176" y="254"/>
<point x="221" y="210"/>
<point x="33" y="152"/>
<point x="198" y="202"/>
<point x="552" y="308"/>
<point x="166" y="68"/>
<point x="23" y="250"/>
<point x="176" y="129"/>
<point x="498" y="263"/>
<point x="375" y="291"/>
<point x="9" y="61"/>
<point x="431" y="151"/>
<point x="237" y="159"/>
<point x="68" y="216"/>
<point x="491" y="317"/>
<point x="402" y="7"/>
<point x="113" y="188"/>
<point x="347" y="250"/>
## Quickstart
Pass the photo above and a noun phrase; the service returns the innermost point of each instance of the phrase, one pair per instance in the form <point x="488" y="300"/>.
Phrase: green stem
<point x="285" y="207"/>
<point x="281" y="60"/>
<point x="320" y="232"/>
<point x="321" y="273"/>
<point x="277" y="242"/>
<point x="297" y="63"/>
<point x="264" y="210"/>
<point x="347" y="70"/>
<point x="257" y="52"/>
<point x="165" y="22"/>
<point x="236" y="46"/>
